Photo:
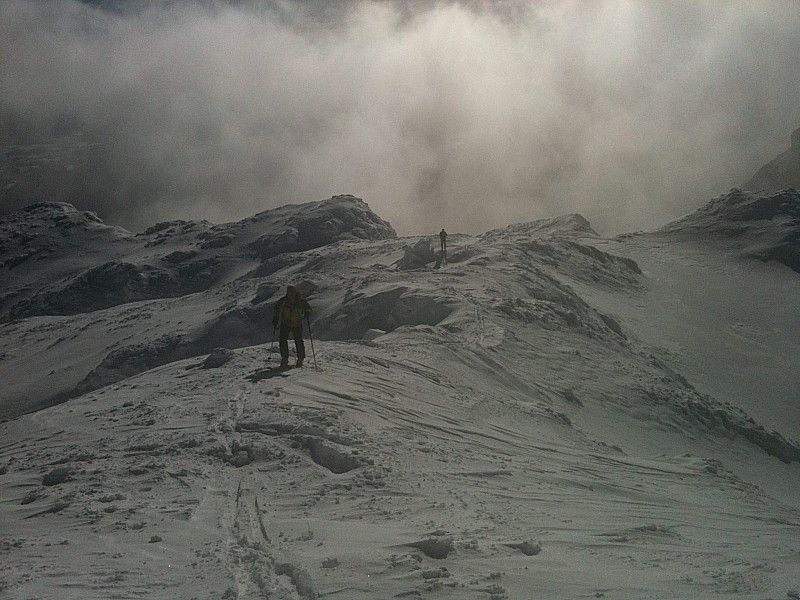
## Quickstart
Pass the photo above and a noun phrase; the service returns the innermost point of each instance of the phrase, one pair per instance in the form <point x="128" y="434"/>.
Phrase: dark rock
<point x="781" y="173"/>
<point x="57" y="476"/>
<point x="527" y="548"/>
<point x="438" y="547"/>
<point x="417" y="256"/>
<point x="217" y="358"/>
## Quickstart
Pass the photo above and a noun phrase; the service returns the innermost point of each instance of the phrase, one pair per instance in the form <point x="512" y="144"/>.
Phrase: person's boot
<point x="299" y="363"/>
<point x="284" y="362"/>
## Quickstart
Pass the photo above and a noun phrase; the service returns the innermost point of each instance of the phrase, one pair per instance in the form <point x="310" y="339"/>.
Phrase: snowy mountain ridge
<point x="765" y="226"/>
<point x="547" y="414"/>
<point x="81" y="264"/>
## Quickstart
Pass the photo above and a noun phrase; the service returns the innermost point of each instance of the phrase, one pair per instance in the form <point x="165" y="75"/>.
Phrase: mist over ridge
<point x="437" y="114"/>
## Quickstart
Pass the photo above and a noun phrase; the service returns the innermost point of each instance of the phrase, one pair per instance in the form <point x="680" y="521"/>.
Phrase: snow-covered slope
<point x="720" y="300"/>
<point x="547" y="414"/>
<point x="765" y="226"/>
<point x="132" y="302"/>
<point x="74" y="263"/>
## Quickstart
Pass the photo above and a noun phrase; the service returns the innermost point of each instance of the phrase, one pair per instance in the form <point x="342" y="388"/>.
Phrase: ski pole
<point x="311" y="339"/>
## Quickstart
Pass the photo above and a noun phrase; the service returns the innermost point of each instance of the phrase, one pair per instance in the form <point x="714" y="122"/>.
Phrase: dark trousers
<point x="283" y="340"/>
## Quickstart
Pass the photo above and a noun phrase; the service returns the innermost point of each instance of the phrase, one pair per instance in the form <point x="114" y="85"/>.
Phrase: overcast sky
<point x="448" y="114"/>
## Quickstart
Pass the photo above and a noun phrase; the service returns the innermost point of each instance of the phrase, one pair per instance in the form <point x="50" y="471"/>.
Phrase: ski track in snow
<point x="440" y="468"/>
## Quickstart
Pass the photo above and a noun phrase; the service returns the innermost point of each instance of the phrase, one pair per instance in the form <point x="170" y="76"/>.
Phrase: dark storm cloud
<point x="468" y="115"/>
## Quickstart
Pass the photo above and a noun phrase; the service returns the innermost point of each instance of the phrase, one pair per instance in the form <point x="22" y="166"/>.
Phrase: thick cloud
<point x="451" y="114"/>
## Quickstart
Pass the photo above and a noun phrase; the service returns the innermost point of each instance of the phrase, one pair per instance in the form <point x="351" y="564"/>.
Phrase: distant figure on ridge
<point x="289" y="313"/>
<point x="443" y="240"/>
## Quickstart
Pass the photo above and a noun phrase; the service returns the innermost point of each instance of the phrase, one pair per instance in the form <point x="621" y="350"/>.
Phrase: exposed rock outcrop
<point x="780" y="173"/>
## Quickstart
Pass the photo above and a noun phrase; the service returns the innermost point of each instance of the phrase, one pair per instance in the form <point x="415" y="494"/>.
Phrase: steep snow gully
<point x="547" y="414"/>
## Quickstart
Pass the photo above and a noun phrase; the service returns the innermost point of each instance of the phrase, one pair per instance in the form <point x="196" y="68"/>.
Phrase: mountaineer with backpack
<point x="289" y="313"/>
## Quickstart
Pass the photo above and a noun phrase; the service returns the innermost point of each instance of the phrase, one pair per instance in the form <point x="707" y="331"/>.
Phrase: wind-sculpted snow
<point x="385" y="310"/>
<point x="519" y="421"/>
<point x="765" y="226"/>
<point x="573" y="225"/>
<point x="109" y="284"/>
<point x="46" y="233"/>
<point x="75" y="263"/>
<point x="716" y="416"/>
<point x="404" y="468"/>
<point x="310" y="226"/>
<point x="232" y="326"/>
